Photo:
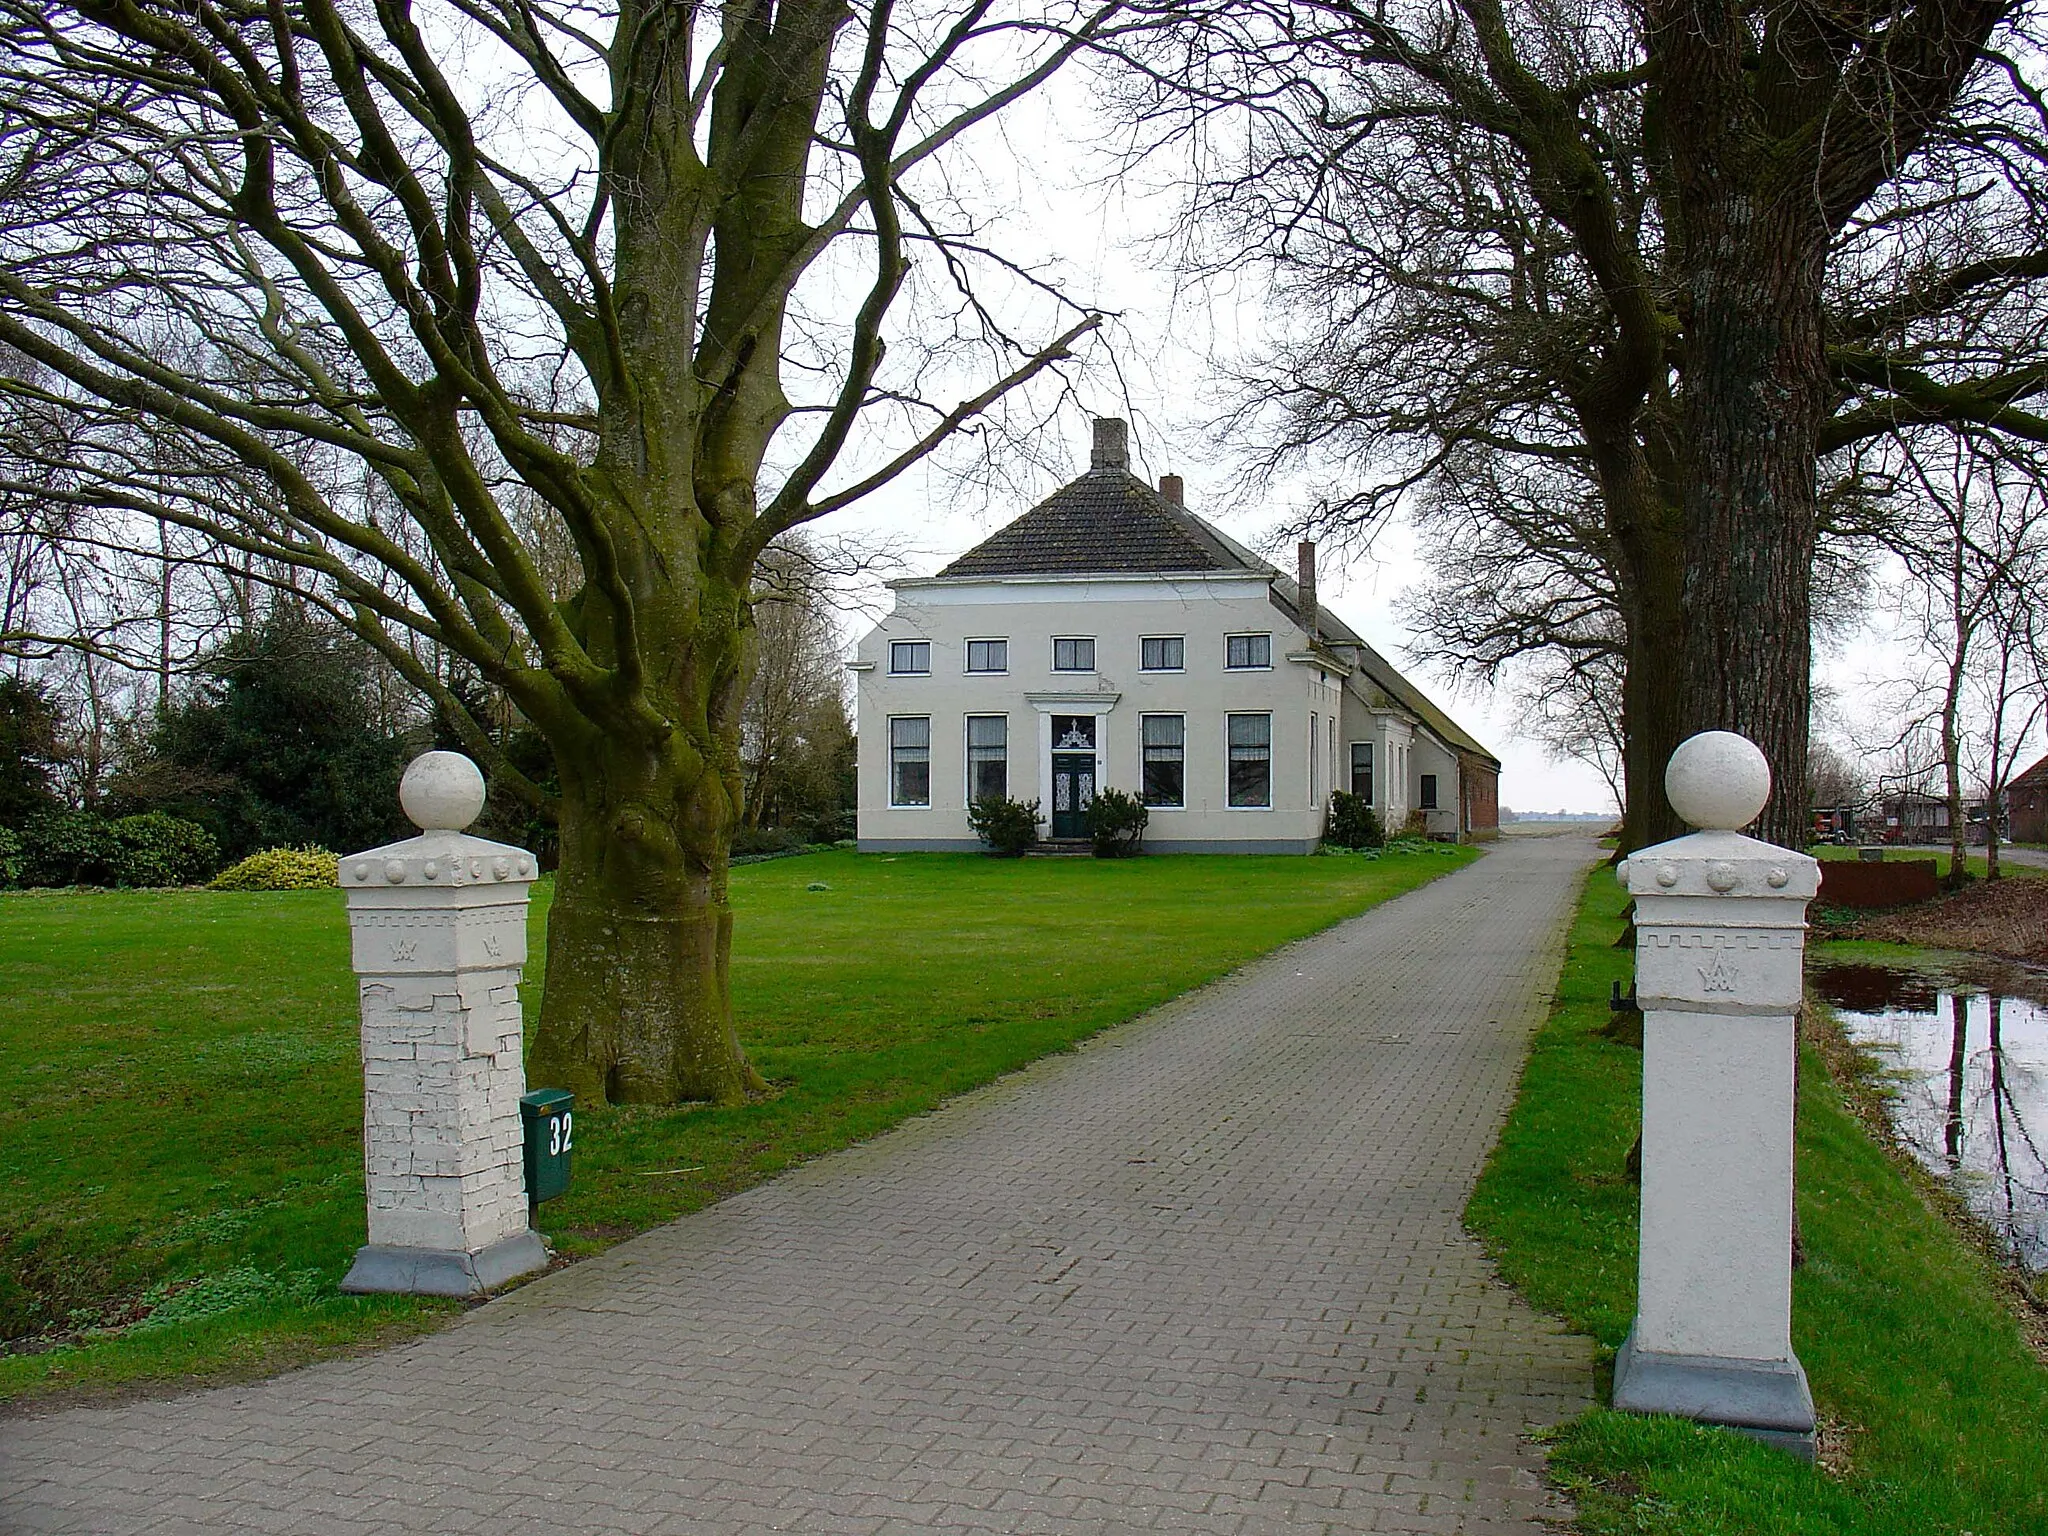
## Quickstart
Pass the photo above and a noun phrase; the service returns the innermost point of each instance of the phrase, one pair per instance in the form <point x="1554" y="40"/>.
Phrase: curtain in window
<point x="1165" y="748"/>
<point x="988" y="757"/>
<point x="910" y="761"/>
<point x="1162" y="653"/>
<point x="1251" y="760"/>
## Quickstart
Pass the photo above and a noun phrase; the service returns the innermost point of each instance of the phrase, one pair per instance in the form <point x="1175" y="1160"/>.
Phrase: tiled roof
<point x="2038" y="774"/>
<point x="1108" y="520"/>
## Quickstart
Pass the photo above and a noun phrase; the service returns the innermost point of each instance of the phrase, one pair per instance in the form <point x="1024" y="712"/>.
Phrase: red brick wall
<point x="2028" y="807"/>
<point x="1482" y="797"/>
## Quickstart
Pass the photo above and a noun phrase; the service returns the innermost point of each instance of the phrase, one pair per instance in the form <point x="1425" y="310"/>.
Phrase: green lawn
<point x="180" y="1100"/>
<point x="1900" y="853"/>
<point x="1939" y="1412"/>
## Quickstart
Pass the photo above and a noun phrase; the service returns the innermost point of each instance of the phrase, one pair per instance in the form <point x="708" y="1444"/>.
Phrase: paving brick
<point x="1204" y="1274"/>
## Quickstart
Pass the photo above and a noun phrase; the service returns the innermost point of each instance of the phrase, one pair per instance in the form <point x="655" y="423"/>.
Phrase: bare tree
<point x="1970" y="537"/>
<point x="796" y="705"/>
<point x="1671" y="257"/>
<point x="639" y="273"/>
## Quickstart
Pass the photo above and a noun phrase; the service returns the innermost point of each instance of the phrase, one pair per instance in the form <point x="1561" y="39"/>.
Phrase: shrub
<point x="10" y="857"/>
<point x="751" y="840"/>
<point x="68" y="848"/>
<point x="1354" y="823"/>
<point x="1116" y="823"/>
<point x="1417" y="824"/>
<point x="156" y="849"/>
<point x="281" y="869"/>
<point x="1007" y="826"/>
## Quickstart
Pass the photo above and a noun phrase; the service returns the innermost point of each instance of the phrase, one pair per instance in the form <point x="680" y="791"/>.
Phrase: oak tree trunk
<point x="1756" y="390"/>
<point x="638" y="1003"/>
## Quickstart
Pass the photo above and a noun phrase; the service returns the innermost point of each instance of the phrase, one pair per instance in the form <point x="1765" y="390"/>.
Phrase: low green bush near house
<point x="281" y="869"/>
<point x="1354" y="823"/>
<point x="1933" y="1407"/>
<point x="1008" y="827"/>
<point x="1116" y="823"/>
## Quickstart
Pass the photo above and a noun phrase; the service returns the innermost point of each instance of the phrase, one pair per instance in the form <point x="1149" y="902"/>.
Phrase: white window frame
<point x="1144" y="640"/>
<point x="1227" y="718"/>
<point x="890" y="766"/>
<point x="967" y="656"/>
<point x="1250" y="666"/>
<point x="1164" y="714"/>
<point x="1058" y="640"/>
<point x="927" y="670"/>
<point x="968" y="749"/>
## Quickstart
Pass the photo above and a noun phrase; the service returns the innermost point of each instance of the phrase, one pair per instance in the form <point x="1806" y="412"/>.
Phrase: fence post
<point x="438" y="929"/>
<point x="1720" y="950"/>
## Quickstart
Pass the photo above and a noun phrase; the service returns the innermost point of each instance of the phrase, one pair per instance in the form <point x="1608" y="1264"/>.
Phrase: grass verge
<point x="180" y="1097"/>
<point x="1934" y="1407"/>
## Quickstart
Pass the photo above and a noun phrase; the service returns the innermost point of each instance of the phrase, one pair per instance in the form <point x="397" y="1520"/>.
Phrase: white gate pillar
<point x="1720" y="948"/>
<point x="438" y="926"/>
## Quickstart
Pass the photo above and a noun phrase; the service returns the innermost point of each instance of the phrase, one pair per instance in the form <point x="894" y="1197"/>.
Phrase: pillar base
<point x="1767" y="1400"/>
<point x="380" y="1270"/>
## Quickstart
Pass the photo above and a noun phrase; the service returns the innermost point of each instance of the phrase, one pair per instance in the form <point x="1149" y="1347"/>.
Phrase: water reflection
<point x="1969" y="1053"/>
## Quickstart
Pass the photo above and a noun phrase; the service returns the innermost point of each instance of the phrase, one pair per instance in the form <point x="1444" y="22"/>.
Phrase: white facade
<point x="1320" y="734"/>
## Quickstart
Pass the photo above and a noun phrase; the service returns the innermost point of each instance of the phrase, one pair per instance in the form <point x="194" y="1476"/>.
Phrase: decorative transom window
<point x="910" y="760"/>
<point x="1073" y="655"/>
<point x="1251" y="761"/>
<point x="1165" y="744"/>
<point x="910" y="658"/>
<point x="1073" y="733"/>
<point x="988" y="655"/>
<point x="988" y="756"/>
<point x="1163" y="653"/>
<point x="1247" y="651"/>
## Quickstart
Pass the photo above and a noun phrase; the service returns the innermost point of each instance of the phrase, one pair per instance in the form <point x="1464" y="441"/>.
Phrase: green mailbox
<point x="548" y="1119"/>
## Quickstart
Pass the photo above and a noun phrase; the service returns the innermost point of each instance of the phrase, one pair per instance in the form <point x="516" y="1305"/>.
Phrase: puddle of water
<point x="1968" y="1050"/>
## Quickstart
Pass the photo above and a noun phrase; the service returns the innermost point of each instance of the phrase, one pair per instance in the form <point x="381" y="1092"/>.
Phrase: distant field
<point x="180" y="1099"/>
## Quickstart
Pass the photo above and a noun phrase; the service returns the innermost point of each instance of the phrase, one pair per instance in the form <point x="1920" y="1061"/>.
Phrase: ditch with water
<point x="1965" y="1042"/>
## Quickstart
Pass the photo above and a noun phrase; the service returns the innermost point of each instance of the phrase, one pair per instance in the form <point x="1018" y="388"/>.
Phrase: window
<point x="1251" y="761"/>
<point x="1073" y="733"/>
<point x="910" y="760"/>
<point x="1162" y="653"/>
<point x="1247" y="651"/>
<point x="1428" y="797"/>
<point x="1073" y="655"/>
<point x="910" y="658"/>
<point x="988" y="655"/>
<point x="988" y="756"/>
<point x="1315" y="780"/>
<point x="1165" y="740"/>
<point x="1361" y="770"/>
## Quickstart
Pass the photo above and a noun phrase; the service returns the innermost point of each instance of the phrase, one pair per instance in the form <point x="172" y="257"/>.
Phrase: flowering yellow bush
<point x="281" y="869"/>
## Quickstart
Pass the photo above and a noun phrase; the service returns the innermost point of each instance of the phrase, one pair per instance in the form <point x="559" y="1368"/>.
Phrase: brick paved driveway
<point x="1204" y="1275"/>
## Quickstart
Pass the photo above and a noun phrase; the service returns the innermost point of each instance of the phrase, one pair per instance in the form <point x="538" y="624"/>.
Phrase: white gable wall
<point x="1117" y="613"/>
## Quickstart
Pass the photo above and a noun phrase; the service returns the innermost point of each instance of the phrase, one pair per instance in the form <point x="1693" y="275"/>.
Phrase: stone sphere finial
<point x="442" y="791"/>
<point x="1718" y="781"/>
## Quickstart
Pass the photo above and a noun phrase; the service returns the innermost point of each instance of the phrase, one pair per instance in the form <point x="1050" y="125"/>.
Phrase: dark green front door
<point x="1073" y="787"/>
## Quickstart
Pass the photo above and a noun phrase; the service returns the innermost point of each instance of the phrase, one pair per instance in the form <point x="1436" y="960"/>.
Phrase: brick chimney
<point x="1305" y="579"/>
<point x="1170" y="487"/>
<point x="1112" y="444"/>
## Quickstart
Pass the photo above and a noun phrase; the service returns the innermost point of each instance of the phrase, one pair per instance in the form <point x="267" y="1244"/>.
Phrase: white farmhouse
<point x="1109" y="637"/>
